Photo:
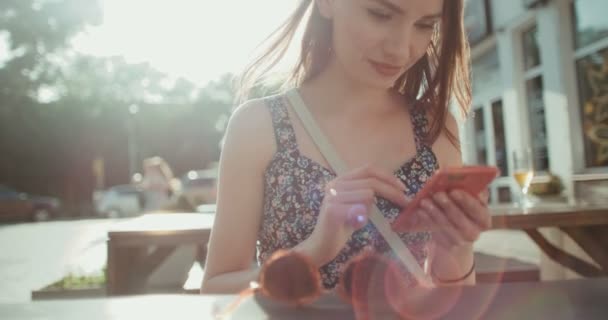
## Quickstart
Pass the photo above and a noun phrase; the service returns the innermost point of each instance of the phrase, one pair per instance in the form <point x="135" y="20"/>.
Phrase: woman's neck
<point x="334" y="92"/>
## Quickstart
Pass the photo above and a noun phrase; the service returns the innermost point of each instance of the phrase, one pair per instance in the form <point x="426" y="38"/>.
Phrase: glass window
<point x="590" y="21"/>
<point x="500" y="146"/>
<point x="593" y="91"/>
<point x="477" y="20"/>
<point x="536" y="117"/>
<point x="480" y="137"/>
<point x="531" y="51"/>
<point x="504" y="195"/>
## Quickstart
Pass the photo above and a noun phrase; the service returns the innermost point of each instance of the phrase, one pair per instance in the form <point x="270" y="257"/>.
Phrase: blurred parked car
<point x="207" y="208"/>
<point x="200" y="187"/>
<point x="15" y="205"/>
<point x="119" y="201"/>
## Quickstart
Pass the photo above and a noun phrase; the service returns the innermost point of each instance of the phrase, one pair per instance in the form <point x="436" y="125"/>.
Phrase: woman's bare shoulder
<point x="447" y="153"/>
<point x="250" y="130"/>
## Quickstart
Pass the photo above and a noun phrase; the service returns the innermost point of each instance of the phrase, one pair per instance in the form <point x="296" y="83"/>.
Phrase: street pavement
<point x="34" y="255"/>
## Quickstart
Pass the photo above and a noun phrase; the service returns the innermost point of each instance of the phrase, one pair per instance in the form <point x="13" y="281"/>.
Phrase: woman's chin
<point x="381" y="84"/>
<point x="371" y="80"/>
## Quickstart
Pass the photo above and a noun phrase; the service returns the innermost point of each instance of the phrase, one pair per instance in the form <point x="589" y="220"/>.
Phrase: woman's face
<point x="376" y="41"/>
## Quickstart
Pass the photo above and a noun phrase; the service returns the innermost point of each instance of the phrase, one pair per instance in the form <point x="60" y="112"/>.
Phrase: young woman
<point x="158" y="183"/>
<point x="378" y="76"/>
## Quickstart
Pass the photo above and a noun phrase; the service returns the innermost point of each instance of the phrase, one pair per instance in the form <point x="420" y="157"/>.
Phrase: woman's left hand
<point x="456" y="218"/>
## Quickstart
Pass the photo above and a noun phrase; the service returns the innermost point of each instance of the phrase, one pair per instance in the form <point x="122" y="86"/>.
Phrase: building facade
<point x="540" y="83"/>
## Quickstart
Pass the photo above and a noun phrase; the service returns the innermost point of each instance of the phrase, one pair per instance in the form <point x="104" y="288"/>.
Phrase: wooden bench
<point x="139" y="246"/>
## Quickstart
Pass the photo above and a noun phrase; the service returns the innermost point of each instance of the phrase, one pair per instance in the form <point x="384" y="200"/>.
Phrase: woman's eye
<point x="379" y="15"/>
<point x="426" y="26"/>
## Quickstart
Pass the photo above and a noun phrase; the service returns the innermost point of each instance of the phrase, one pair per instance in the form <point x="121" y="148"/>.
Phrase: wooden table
<point x="560" y="300"/>
<point x="586" y="225"/>
<point x="130" y="263"/>
<point x="138" y="246"/>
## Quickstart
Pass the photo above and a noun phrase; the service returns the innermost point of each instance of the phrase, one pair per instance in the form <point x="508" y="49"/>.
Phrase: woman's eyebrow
<point x="398" y="9"/>
<point x="432" y="16"/>
<point x="390" y="5"/>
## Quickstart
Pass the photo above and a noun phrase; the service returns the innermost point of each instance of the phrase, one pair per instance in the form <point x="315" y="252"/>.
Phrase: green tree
<point x="37" y="33"/>
<point x="60" y="110"/>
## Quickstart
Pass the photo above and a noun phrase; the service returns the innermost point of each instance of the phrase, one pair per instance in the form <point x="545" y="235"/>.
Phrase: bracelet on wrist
<point x="451" y="281"/>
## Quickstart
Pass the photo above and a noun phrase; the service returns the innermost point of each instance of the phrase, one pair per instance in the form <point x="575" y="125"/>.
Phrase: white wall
<point x="504" y="11"/>
<point x="553" y="24"/>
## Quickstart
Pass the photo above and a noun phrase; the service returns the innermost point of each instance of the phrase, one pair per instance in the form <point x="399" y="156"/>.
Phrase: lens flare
<point x="290" y="277"/>
<point x="362" y="285"/>
<point x="417" y="302"/>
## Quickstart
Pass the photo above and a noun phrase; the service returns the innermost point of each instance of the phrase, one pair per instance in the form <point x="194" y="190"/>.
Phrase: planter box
<point x="75" y="293"/>
<point x="73" y="287"/>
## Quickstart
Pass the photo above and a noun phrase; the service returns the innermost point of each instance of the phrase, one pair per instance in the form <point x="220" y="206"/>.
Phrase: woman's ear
<point x="326" y="8"/>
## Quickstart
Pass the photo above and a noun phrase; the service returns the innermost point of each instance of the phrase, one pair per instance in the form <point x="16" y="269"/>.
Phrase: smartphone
<point x="471" y="179"/>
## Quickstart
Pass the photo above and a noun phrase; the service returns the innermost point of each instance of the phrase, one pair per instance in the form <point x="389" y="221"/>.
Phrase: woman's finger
<point x="350" y="185"/>
<point x="357" y="216"/>
<point x="387" y="191"/>
<point x="420" y="221"/>
<point x="352" y="216"/>
<point x="441" y="225"/>
<point x="458" y="219"/>
<point x="484" y="197"/>
<point x="362" y="196"/>
<point x="474" y="209"/>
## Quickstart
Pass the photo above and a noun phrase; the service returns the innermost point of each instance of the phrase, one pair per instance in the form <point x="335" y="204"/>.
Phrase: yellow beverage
<point x="523" y="178"/>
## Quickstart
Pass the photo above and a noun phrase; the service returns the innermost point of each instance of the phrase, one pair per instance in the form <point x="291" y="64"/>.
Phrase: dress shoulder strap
<point x="283" y="130"/>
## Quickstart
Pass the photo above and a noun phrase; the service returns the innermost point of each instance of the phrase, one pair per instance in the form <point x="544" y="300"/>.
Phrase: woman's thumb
<point x="356" y="216"/>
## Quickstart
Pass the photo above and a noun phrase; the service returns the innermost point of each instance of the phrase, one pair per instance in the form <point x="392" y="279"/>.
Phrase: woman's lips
<point x="386" y="70"/>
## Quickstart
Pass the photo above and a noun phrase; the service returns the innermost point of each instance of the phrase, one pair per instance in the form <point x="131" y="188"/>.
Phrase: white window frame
<point x="526" y="75"/>
<point x="484" y="101"/>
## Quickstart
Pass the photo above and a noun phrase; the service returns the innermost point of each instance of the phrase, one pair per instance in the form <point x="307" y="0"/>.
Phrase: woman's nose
<point x="397" y="48"/>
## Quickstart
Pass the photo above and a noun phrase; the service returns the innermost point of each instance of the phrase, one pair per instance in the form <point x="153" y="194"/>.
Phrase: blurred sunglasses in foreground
<point x="371" y="283"/>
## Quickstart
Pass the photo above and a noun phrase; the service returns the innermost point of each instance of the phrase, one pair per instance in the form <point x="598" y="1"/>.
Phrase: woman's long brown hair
<point x="440" y="75"/>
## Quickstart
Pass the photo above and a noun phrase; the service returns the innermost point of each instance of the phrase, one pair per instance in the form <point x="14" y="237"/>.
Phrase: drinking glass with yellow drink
<point x="523" y="172"/>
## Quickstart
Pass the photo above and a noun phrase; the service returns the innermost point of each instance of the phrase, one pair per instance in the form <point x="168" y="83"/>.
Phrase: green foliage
<point x="38" y="32"/>
<point x="43" y="26"/>
<point x="73" y="281"/>
<point x="553" y="186"/>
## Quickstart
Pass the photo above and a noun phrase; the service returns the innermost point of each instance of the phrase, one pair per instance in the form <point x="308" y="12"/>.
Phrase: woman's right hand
<point x="346" y="207"/>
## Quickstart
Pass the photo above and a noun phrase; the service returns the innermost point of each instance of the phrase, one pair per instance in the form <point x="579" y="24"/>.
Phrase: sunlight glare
<point x="196" y="39"/>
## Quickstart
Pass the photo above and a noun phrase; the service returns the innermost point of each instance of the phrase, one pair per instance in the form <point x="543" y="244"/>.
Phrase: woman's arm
<point x="248" y="147"/>
<point x="456" y="261"/>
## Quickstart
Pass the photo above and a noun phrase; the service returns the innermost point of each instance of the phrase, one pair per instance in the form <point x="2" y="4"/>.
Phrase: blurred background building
<point x="540" y="81"/>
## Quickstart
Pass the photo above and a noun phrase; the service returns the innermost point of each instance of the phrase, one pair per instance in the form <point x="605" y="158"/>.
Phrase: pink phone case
<point x="471" y="179"/>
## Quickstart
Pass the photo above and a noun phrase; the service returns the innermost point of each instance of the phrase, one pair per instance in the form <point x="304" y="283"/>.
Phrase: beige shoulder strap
<point x="383" y="226"/>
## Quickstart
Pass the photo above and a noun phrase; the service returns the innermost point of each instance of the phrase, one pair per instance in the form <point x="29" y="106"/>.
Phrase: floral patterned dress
<point x="294" y="190"/>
